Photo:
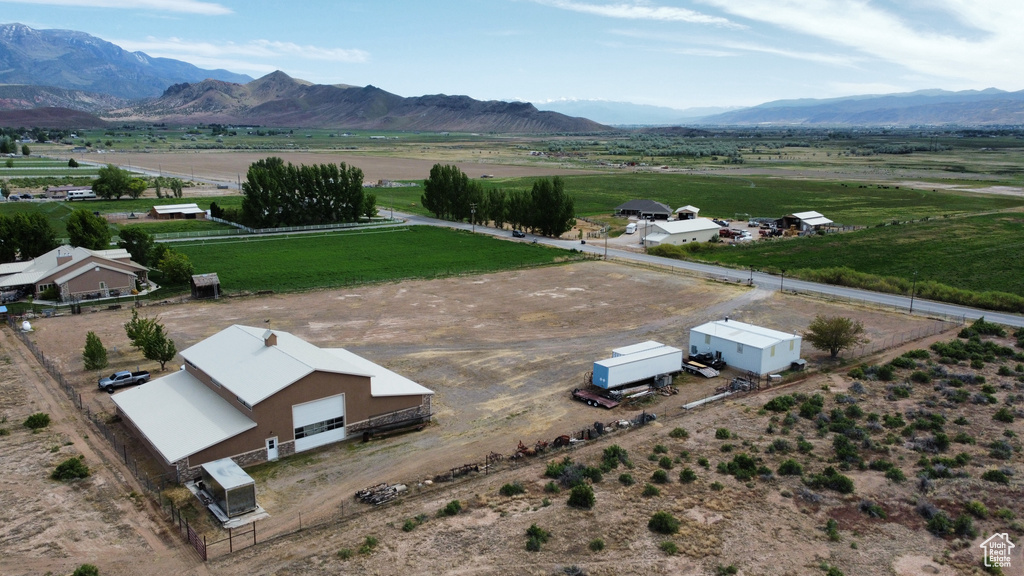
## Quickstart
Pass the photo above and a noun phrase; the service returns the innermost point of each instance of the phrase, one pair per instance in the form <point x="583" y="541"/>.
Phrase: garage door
<point x="319" y="422"/>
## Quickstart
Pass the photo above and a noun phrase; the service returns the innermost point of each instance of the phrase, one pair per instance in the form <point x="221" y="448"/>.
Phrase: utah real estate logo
<point x="997" y="550"/>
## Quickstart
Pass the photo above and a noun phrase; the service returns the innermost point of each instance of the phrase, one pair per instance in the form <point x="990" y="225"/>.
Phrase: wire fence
<point x="895" y="340"/>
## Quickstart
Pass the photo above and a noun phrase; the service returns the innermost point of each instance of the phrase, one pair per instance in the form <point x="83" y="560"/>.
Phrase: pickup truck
<point x="123" y="378"/>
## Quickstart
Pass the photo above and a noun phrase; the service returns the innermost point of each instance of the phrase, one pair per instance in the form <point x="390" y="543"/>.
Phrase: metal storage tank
<point x="232" y="489"/>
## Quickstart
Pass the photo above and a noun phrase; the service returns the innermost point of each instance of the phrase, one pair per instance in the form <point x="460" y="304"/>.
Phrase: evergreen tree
<point x="95" y="355"/>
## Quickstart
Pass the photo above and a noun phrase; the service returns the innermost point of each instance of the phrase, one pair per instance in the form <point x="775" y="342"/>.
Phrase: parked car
<point x="518" y="234"/>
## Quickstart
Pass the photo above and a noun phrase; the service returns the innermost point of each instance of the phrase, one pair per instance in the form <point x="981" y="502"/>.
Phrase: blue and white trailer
<point x="636" y="367"/>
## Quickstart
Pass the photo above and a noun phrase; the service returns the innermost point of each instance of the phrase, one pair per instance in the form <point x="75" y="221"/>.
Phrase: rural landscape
<point x="397" y="323"/>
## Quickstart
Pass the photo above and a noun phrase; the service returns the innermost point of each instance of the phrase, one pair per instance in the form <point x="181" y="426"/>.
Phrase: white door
<point x="319" y="422"/>
<point x="272" y="448"/>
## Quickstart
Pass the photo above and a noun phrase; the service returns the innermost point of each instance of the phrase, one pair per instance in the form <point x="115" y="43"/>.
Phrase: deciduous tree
<point x="88" y="230"/>
<point x="177" y="268"/>
<point x="137" y="242"/>
<point x="835" y="333"/>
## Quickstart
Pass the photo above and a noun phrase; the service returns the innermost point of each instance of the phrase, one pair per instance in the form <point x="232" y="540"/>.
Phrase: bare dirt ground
<point x="230" y="166"/>
<point x="502" y="352"/>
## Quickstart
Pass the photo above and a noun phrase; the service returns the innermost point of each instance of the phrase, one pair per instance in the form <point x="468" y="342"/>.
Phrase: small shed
<point x="687" y="212"/>
<point x="205" y="286"/>
<point x="746" y="346"/>
<point x="804" y="221"/>
<point x="232" y="489"/>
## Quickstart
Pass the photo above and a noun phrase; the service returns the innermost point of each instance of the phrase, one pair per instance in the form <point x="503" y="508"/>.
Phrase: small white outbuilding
<point x="745" y="346"/>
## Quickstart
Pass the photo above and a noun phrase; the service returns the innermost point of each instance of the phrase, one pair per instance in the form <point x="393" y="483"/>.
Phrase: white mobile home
<point x="745" y="346"/>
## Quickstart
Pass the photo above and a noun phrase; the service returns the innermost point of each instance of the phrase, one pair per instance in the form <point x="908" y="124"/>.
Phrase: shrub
<point x="831" y="479"/>
<point x="582" y="496"/>
<point x="660" y="449"/>
<point x="538" y="533"/>
<point x="659" y="477"/>
<point x="857" y="373"/>
<point x="790" y="468"/>
<point x="650" y="490"/>
<point x="703" y="462"/>
<point x="555" y="469"/>
<point x="71" y="469"/>
<point x="742" y="466"/>
<point x="86" y="570"/>
<point x="679" y="433"/>
<point x="940" y="524"/>
<point x="871" y="509"/>
<point x="37" y="421"/>
<point x="977" y="508"/>
<point x="368" y="545"/>
<point x="722" y="434"/>
<point x="626" y="479"/>
<point x="717" y="486"/>
<point x="669" y="547"/>
<point x="997" y="476"/>
<point x="663" y="523"/>
<point x="780" y="403"/>
<point x="832" y="530"/>
<point x="895" y="474"/>
<point x="596" y="545"/>
<point x="885" y="373"/>
<point x="921" y="377"/>
<point x="512" y="489"/>
<point x="811" y="407"/>
<point x="687" y="475"/>
<point x="665" y="462"/>
<point x="615" y="455"/>
<point x="345" y="553"/>
<point x="552" y="488"/>
<point x="451" y="509"/>
<point x="726" y="570"/>
<point x="1004" y="415"/>
<point x="963" y="526"/>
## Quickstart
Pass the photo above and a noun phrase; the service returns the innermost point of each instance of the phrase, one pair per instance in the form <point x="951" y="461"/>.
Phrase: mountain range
<point x="63" y="78"/>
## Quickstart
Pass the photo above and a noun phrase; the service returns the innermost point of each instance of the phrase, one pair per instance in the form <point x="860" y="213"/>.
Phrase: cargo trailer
<point x="634" y="348"/>
<point x="636" y="367"/>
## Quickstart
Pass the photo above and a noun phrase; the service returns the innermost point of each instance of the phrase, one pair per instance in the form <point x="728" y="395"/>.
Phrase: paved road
<point x="759" y="279"/>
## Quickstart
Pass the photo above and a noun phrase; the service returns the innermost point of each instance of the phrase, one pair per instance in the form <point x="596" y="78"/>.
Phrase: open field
<point x="502" y="351"/>
<point x="309" y="261"/>
<point x="970" y="253"/>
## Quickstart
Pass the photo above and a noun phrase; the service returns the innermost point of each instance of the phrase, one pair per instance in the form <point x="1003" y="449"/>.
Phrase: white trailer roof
<point x="743" y="333"/>
<point x="686" y="226"/>
<point x="180" y="415"/>
<point x="638" y="356"/>
<point x="634" y="348"/>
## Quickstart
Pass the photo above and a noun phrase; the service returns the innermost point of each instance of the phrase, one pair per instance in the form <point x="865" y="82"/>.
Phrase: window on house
<point x="693" y="349"/>
<point x="319" y="427"/>
<point x="707" y="338"/>
<point x="791" y="343"/>
<point x="773" y="352"/>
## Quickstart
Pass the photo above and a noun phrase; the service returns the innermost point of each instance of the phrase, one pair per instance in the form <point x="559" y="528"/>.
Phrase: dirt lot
<point x="229" y="166"/>
<point x="502" y="352"/>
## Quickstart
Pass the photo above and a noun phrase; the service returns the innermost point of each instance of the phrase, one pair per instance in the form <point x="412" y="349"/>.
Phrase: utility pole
<point x="913" y="289"/>
<point x="606" y="229"/>
<point x="472" y="215"/>
<point x="782" y="283"/>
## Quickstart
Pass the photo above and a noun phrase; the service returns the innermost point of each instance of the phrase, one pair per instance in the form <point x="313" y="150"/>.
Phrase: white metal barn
<point x="745" y="346"/>
<point x="682" y="231"/>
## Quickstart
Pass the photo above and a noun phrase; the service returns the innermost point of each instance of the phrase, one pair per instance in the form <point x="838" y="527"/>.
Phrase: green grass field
<point x="309" y="261"/>
<point x="978" y="253"/>
<point x="725" y="197"/>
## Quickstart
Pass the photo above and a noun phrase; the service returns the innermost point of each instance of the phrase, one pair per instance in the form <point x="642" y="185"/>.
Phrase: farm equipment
<point x="380" y="494"/>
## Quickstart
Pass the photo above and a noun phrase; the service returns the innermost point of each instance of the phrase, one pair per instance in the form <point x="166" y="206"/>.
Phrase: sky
<point x="673" y="53"/>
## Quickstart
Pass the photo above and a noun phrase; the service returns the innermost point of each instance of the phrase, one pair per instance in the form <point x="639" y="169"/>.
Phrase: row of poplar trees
<point x="279" y="194"/>
<point x="545" y="209"/>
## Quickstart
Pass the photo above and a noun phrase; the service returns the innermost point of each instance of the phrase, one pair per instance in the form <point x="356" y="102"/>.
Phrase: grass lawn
<point x="974" y="253"/>
<point x="307" y="261"/>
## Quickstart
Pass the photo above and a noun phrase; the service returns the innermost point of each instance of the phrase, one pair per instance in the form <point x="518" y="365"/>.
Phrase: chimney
<point x="726" y="318"/>
<point x="63" y="258"/>
<point x="269" y="338"/>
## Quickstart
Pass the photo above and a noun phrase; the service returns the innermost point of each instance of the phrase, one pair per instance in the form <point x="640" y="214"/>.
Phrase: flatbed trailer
<point x="593" y="399"/>
<point x="697" y="368"/>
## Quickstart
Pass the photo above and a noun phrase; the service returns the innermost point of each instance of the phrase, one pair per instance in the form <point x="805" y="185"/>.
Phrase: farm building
<point x="177" y="212"/>
<point x="745" y="346"/>
<point x="804" y="221"/>
<point x="644" y="210"/>
<point x="77" y="273"/>
<point x="687" y="212"/>
<point x="205" y="285"/>
<point x="679" y="232"/>
<point x="252" y="395"/>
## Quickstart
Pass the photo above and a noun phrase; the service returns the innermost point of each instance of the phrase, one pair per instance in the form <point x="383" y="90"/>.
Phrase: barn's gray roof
<point x="646" y="206"/>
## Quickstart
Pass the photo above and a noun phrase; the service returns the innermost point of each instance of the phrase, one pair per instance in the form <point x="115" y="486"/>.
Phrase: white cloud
<point x="184" y="6"/>
<point x="258" y="55"/>
<point x="992" y="56"/>
<point x="639" y="11"/>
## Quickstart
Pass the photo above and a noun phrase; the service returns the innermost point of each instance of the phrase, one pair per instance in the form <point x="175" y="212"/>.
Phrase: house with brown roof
<point x="253" y="395"/>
